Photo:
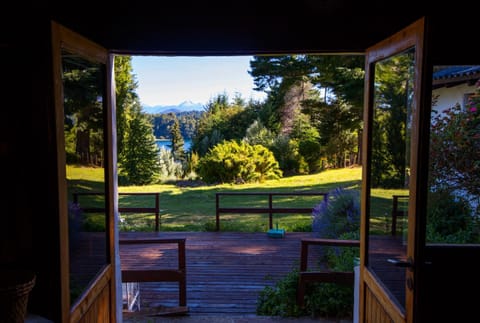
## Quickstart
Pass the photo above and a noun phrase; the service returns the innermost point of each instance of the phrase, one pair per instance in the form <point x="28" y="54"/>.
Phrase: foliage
<point x="191" y="164"/>
<point x="178" y="150"/>
<point x="308" y="142"/>
<point x="334" y="94"/>
<point x="287" y="153"/>
<point x="75" y="222"/>
<point x="221" y="120"/>
<point x="455" y="149"/>
<point x="258" y="134"/>
<point x="231" y="162"/>
<point x="338" y="214"/>
<point x="281" y="299"/>
<point x="321" y="299"/>
<point x="126" y="97"/>
<point x="139" y="164"/>
<point x="169" y="168"/>
<point x="337" y="127"/>
<point x="83" y="123"/>
<point x="449" y="219"/>
<point x="390" y="133"/>
<point x="136" y="148"/>
<point x="187" y="120"/>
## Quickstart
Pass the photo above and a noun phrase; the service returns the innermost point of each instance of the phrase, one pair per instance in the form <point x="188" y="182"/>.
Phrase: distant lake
<point x="167" y="144"/>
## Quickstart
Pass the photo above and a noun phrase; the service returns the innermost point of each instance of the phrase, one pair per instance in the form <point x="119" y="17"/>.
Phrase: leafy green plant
<point x="280" y="300"/>
<point x="233" y="162"/>
<point x="321" y="299"/>
<point x="449" y="219"/>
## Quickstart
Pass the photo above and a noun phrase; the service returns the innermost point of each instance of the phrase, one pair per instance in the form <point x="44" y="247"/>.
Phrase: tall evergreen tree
<point x="178" y="150"/>
<point x="140" y="164"/>
<point x="126" y="97"/>
<point x="136" y="147"/>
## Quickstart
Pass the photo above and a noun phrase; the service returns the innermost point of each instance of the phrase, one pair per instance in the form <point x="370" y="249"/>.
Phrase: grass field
<point x="193" y="208"/>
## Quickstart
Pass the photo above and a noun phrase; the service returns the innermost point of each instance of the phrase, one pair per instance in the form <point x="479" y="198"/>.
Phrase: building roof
<point x="454" y="75"/>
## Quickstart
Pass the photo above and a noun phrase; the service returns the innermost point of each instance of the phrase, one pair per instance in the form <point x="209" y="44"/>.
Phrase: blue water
<point x="167" y="143"/>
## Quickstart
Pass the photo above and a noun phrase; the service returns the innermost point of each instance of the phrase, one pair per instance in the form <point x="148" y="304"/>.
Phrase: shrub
<point x="338" y="214"/>
<point x="449" y="219"/>
<point x="169" y="169"/>
<point x="321" y="299"/>
<point x="233" y="162"/>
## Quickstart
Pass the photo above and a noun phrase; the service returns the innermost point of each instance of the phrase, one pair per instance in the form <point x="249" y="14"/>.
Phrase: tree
<point x="126" y="97"/>
<point x="221" y="120"/>
<point x="140" y="163"/>
<point x="336" y="81"/>
<point x="136" y="147"/>
<point x="177" y="141"/>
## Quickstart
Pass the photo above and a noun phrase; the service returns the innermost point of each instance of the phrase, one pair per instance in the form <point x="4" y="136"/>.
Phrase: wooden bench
<point x="323" y="276"/>
<point x="160" y="275"/>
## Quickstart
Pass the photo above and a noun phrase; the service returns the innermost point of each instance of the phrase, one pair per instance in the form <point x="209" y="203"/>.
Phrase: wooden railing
<point x="155" y="209"/>
<point x="270" y="210"/>
<point x="396" y="212"/>
<point x="178" y="274"/>
<point x="306" y="276"/>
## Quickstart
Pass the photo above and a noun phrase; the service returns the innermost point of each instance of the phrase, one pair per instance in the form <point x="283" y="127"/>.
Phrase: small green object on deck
<point x="276" y="233"/>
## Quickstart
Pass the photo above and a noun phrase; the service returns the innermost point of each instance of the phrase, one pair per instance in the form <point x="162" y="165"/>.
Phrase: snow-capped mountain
<point x="182" y="107"/>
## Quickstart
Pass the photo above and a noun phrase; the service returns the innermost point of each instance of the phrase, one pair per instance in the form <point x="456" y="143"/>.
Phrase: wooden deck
<point x="225" y="270"/>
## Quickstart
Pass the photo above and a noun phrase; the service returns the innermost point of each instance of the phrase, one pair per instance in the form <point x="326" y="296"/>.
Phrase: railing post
<point x="270" y="206"/>
<point x="217" y="214"/>
<point x="157" y="212"/>
<point x="394" y="215"/>
<point x="182" y="266"/>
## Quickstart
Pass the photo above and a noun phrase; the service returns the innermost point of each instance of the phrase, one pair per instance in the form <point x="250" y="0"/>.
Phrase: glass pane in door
<point x="84" y="111"/>
<point x="390" y="171"/>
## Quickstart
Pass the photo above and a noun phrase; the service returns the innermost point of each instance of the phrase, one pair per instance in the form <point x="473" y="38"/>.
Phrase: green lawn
<point x="193" y="208"/>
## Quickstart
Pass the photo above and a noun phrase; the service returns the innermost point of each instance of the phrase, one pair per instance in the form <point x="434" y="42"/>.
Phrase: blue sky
<point x="170" y="80"/>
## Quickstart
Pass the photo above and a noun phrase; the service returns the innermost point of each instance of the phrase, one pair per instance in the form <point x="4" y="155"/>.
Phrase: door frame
<point x="370" y="287"/>
<point x="105" y="281"/>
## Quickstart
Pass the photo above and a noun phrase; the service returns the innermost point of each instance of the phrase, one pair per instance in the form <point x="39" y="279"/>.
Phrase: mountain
<point x="182" y="107"/>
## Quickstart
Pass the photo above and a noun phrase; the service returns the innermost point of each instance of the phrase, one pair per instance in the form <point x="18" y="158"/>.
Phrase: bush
<point x="233" y="162"/>
<point x="321" y="299"/>
<point x="449" y="219"/>
<point x="338" y="214"/>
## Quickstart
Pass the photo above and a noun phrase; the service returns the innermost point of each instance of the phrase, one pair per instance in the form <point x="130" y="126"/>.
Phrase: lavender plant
<point x="338" y="214"/>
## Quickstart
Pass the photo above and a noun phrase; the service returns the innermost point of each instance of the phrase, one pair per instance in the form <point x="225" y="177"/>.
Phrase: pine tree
<point x="140" y="158"/>
<point x="177" y="141"/>
<point x="126" y="97"/>
<point x="136" y="147"/>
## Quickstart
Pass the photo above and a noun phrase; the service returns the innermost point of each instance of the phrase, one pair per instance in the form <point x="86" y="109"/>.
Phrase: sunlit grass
<point x="193" y="208"/>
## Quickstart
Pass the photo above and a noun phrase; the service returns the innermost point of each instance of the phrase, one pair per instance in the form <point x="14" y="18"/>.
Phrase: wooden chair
<point x="161" y="275"/>
<point x="323" y="276"/>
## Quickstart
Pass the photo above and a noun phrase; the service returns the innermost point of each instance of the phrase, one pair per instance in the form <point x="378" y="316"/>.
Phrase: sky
<point x="171" y="80"/>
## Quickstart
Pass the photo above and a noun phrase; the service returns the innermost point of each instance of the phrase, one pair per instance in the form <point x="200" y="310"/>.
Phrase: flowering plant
<point x="74" y="224"/>
<point x="338" y="214"/>
<point x="455" y="148"/>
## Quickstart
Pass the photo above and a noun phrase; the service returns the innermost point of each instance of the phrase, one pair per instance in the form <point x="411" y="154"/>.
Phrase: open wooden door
<point x="82" y="74"/>
<point x="394" y="111"/>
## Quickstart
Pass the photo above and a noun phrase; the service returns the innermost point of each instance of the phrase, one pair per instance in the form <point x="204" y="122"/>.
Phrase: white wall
<point x="449" y="96"/>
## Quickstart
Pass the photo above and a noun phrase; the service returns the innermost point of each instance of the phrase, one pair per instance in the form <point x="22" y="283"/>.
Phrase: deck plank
<point x="225" y="270"/>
